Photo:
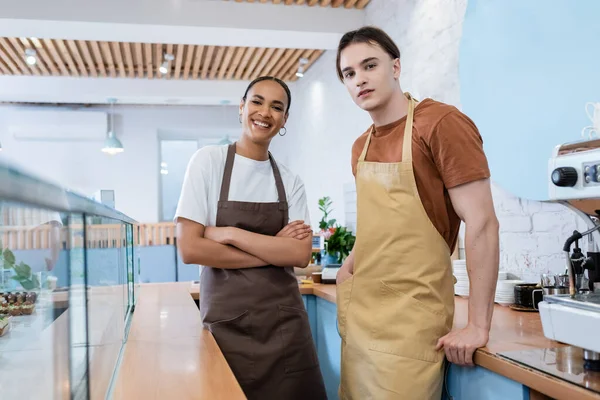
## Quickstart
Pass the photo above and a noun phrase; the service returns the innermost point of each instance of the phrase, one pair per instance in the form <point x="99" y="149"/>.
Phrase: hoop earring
<point x="284" y="131"/>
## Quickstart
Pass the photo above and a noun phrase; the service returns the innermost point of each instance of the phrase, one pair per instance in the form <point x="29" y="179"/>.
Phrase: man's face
<point x="369" y="74"/>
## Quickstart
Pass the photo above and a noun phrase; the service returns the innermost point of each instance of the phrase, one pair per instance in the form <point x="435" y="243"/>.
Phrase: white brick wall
<point x="324" y="123"/>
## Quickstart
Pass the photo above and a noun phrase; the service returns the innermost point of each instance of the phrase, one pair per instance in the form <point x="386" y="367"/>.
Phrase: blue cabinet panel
<point x="477" y="383"/>
<point x="328" y="345"/>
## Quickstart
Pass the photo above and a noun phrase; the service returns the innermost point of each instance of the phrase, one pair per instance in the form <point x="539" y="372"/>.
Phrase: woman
<point x="241" y="216"/>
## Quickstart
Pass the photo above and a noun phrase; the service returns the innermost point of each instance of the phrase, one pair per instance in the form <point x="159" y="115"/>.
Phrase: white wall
<point x="134" y="174"/>
<point x="324" y="123"/>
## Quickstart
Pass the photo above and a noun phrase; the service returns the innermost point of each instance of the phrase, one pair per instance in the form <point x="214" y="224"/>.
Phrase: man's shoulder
<point x="359" y="143"/>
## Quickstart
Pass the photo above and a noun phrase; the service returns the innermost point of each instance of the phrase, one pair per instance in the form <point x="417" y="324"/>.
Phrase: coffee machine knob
<point x="564" y="176"/>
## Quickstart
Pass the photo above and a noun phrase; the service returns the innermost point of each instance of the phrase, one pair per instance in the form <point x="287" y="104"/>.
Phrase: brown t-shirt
<point x="447" y="151"/>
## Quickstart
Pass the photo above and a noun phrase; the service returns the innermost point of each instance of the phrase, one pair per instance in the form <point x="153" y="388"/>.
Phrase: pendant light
<point x="0" y="146"/>
<point x="112" y="145"/>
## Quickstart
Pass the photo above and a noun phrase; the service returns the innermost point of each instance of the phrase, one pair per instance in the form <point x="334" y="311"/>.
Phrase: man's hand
<point x="221" y="235"/>
<point x="347" y="269"/>
<point x="460" y="345"/>
<point x="296" y="230"/>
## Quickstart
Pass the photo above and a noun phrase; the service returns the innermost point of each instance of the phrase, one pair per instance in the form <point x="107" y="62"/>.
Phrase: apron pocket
<point x="234" y="337"/>
<point x="406" y="327"/>
<point x="297" y="341"/>
<point x="343" y="291"/>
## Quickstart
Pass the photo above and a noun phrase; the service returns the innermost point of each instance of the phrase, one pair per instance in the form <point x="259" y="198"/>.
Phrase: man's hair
<point x="370" y="35"/>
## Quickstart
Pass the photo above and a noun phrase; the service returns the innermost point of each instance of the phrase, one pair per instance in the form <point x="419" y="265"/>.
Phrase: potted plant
<point x="338" y="240"/>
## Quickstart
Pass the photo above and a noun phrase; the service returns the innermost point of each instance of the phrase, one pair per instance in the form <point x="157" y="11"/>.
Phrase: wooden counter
<point x="511" y="331"/>
<point x="168" y="354"/>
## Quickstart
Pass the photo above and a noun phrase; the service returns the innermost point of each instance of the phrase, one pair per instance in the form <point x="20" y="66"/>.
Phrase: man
<point x="420" y="170"/>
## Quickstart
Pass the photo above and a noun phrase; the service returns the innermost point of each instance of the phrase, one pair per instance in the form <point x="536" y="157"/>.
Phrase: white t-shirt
<point x="251" y="181"/>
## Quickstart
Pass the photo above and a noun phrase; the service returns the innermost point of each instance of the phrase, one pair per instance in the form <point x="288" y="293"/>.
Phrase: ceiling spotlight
<point x="164" y="67"/>
<point x="30" y="56"/>
<point x="303" y="61"/>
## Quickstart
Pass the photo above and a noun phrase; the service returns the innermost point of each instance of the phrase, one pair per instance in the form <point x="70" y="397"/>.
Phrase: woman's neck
<point x="255" y="151"/>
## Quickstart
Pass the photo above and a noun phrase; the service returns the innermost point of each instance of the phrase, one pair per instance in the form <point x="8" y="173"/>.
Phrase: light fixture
<point x="300" y="73"/>
<point x="0" y="146"/>
<point x="112" y="145"/>
<point x="30" y="56"/>
<point x="164" y="67"/>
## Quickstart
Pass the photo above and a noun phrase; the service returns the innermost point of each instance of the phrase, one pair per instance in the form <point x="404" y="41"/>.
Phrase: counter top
<point x="511" y="331"/>
<point x="168" y="354"/>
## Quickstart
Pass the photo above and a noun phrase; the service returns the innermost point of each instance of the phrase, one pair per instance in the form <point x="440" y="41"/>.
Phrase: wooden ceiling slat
<point x="300" y="2"/>
<point x="4" y="70"/>
<point x="214" y="66"/>
<point x="263" y="1"/>
<point x="325" y="3"/>
<point x="66" y="55"/>
<point x="291" y="72"/>
<point x="17" y="61"/>
<point x="336" y="3"/>
<point x="197" y="61"/>
<point x="244" y="63"/>
<point x="269" y="62"/>
<point x="108" y="58"/>
<point x="179" y="53"/>
<point x="170" y="67"/>
<point x="311" y="3"/>
<point x="98" y="57"/>
<point x="289" y="2"/>
<point x="292" y="61"/>
<point x="117" y="56"/>
<point x="207" y="61"/>
<point x="139" y="59"/>
<point x="350" y="3"/>
<point x="266" y="64"/>
<point x="280" y="62"/>
<point x="77" y="56"/>
<point x="239" y="52"/>
<point x="148" y="60"/>
<point x="362" y="4"/>
<point x="189" y="57"/>
<point x="91" y="66"/>
<point x="276" y="1"/>
<point x="19" y="53"/>
<point x="255" y="59"/>
<point x="225" y="65"/>
<point x="43" y="57"/>
<point x="57" y="59"/>
<point x="158" y="59"/>
<point x="129" y="65"/>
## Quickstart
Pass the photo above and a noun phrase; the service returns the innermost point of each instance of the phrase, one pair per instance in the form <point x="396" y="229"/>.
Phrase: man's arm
<point x="275" y="250"/>
<point x="474" y="205"/>
<point x="196" y="249"/>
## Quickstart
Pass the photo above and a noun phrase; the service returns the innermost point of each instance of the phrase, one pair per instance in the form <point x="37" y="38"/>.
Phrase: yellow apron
<point x="400" y="300"/>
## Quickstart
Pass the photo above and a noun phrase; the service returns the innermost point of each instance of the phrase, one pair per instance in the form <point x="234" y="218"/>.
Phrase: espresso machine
<point x="574" y="317"/>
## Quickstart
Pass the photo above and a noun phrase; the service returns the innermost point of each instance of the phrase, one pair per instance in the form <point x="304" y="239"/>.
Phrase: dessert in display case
<point x="68" y="277"/>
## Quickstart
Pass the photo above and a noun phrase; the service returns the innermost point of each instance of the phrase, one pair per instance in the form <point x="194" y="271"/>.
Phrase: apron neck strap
<point x="224" y="196"/>
<point x="407" y="141"/>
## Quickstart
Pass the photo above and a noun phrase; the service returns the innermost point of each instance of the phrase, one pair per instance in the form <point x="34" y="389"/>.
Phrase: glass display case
<point x="69" y="272"/>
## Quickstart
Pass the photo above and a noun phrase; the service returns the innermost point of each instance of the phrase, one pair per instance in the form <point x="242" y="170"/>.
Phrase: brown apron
<point x="257" y="315"/>
<point x="400" y="300"/>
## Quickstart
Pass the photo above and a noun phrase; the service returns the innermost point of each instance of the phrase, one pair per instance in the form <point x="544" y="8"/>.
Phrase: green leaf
<point x="23" y="269"/>
<point x="9" y="257"/>
<point x="36" y="281"/>
<point x="27" y="284"/>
